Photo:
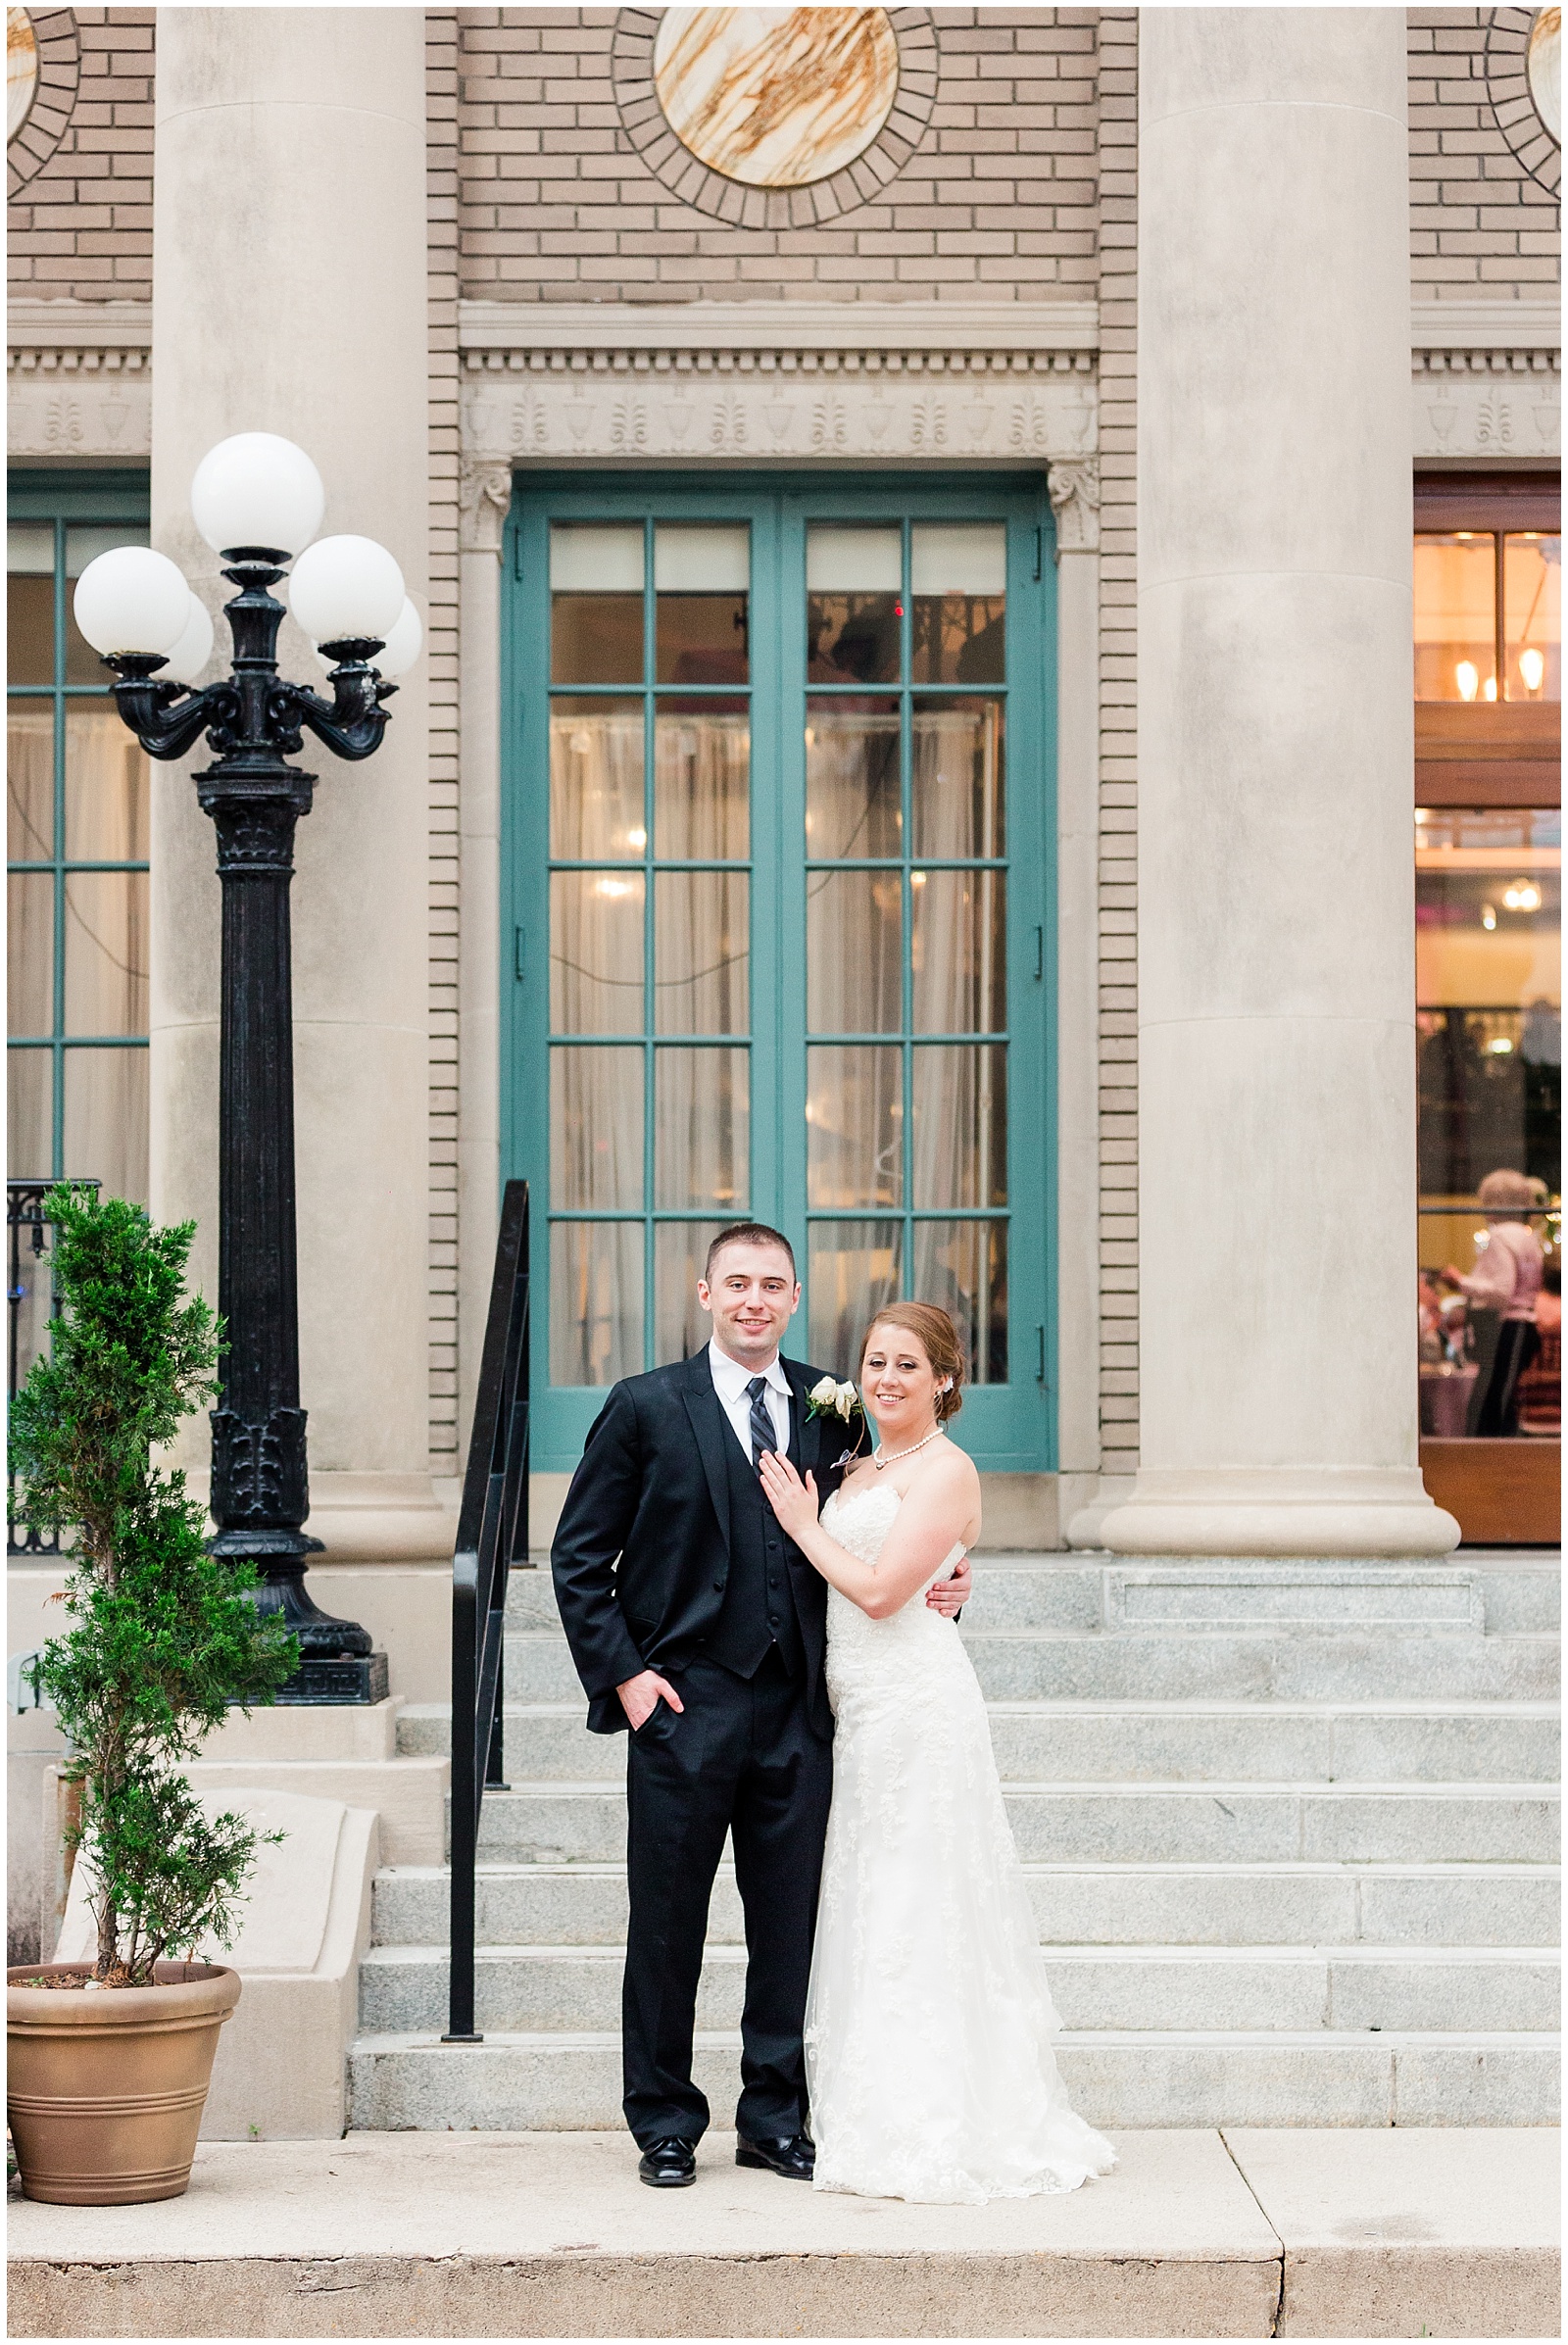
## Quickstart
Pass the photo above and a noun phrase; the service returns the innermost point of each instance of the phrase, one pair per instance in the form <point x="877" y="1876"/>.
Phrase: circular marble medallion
<point x="777" y="97"/>
<point x="22" y="70"/>
<point x="1523" y="68"/>
<point x="1543" y="68"/>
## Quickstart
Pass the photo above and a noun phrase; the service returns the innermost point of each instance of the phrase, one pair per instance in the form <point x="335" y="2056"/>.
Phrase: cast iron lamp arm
<point x="165" y="717"/>
<point x="353" y="723"/>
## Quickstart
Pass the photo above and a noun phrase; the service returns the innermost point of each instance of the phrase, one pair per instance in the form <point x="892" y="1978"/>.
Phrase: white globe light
<point x="403" y="646"/>
<point x="194" y="648"/>
<point x="399" y="652"/>
<point x="131" y="600"/>
<point x="257" y="490"/>
<point x="344" y="587"/>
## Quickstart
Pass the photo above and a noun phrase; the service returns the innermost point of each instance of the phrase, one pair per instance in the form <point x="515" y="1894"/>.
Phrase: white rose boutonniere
<point x="828" y="1399"/>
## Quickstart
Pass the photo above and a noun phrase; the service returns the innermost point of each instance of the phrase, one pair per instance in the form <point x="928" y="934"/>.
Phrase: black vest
<point x="759" y="1607"/>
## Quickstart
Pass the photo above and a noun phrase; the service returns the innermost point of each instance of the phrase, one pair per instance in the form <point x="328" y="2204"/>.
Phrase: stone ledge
<point x="1338" y="2234"/>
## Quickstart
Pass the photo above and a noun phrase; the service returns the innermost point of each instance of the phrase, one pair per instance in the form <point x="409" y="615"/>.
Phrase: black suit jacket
<point x="641" y="1554"/>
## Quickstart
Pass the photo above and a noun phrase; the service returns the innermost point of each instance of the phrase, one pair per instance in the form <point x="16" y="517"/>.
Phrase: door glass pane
<point x="702" y="951"/>
<point x="596" y="1301"/>
<point x="853" y="605"/>
<point x="702" y="579"/>
<point x="702" y="1131"/>
<point x="106" y="952"/>
<point x="1531" y="603"/>
<point x="596" y="1130"/>
<point x="30" y="951"/>
<point x="955" y="785"/>
<point x="854" y="953"/>
<point x="681" y="1327"/>
<point x="30" y="1126"/>
<point x="105" y="787"/>
<point x="958" y="1139"/>
<point x="852" y="790"/>
<point x="958" y="580"/>
<point x="1455" y="592"/>
<point x="31" y="781"/>
<point x="702" y="781"/>
<point x="596" y="779"/>
<point x="596" y="952"/>
<point x="853" y="1126"/>
<point x="84" y="545"/>
<point x="30" y="603"/>
<point x="1489" y="1031"/>
<point x="596" y="602"/>
<point x="855" y="1268"/>
<point x="959" y="953"/>
<point x="962" y="1265"/>
<point x="106" y="1120"/>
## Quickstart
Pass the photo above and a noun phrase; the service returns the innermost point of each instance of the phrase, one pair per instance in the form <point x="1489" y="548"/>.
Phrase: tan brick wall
<point x="1481" y="228"/>
<point x="81" y="230"/>
<point x="1117" y="228"/>
<point x="441" y="664"/>
<point x="1000" y="199"/>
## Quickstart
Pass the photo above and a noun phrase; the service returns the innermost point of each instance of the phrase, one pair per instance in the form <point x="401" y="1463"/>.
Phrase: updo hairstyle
<point x="938" y="1339"/>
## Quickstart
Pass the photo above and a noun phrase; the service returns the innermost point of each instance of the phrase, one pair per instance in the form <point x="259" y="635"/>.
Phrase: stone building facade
<point x="970" y="301"/>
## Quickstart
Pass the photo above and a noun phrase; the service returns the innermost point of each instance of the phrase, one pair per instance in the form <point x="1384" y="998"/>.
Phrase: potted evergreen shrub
<point x="109" y="2064"/>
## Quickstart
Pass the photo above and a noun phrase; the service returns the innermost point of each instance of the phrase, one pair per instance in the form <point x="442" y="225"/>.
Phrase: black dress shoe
<point x="794" y="2155"/>
<point x="669" y="2165"/>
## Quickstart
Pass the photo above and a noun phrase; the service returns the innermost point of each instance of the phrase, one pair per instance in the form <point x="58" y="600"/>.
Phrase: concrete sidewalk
<point x="1196" y="2234"/>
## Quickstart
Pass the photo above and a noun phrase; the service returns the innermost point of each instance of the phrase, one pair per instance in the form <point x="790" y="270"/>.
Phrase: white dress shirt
<point x="730" y="1381"/>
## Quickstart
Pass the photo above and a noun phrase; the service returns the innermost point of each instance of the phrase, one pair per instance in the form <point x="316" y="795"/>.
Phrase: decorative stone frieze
<point x="1487" y="403"/>
<point x="79" y="386"/>
<point x="1014" y="386"/>
<point x="1486" y="381"/>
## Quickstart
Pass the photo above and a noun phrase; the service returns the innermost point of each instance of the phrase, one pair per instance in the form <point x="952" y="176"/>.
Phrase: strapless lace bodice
<point x="914" y="1642"/>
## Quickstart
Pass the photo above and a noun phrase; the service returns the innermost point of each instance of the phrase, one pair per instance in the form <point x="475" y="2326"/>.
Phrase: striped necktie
<point x="762" y="1435"/>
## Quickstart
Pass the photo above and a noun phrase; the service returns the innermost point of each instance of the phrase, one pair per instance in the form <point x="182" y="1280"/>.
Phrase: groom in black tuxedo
<point x="695" y="1622"/>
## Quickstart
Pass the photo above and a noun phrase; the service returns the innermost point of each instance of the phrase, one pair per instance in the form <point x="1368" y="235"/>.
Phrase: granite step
<point x="1116" y="2078"/>
<point x="1138" y="1822"/>
<point x="1108" y="1905"/>
<point x="1515" y="1593"/>
<point x="576" y="1989"/>
<point x="1284" y="1664"/>
<point x="1107" y="1741"/>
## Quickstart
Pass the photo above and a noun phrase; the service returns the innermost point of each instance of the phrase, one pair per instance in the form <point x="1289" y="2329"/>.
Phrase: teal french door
<point x="778" y="882"/>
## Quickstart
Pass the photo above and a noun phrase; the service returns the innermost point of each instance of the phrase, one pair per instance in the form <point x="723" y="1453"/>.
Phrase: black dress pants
<point x="741" y="1757"/>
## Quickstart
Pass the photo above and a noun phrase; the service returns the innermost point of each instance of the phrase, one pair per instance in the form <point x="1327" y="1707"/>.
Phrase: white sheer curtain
<point x="105" y="1129"/>
<point x="701" y="1106"/>
<point x="856" y="1106"/>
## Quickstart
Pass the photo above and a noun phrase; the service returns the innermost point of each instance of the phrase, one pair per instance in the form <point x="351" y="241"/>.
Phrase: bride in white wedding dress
<point x="929" y="2023"/>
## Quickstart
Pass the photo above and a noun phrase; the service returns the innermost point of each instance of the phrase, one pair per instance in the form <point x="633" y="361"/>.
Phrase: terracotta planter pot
<point x="107" y="2085"/>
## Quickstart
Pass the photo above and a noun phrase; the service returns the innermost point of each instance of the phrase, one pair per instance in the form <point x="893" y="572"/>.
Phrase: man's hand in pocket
<point x="641" y="1696"/>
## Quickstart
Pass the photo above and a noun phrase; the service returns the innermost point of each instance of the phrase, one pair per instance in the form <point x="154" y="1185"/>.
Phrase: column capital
<point x="1073" y="483"/>
<point x="486" y="496"/>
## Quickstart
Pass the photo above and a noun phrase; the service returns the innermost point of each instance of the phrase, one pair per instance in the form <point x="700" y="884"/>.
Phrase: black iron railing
<point x="30" y="1304"/>
<point x="492" y="1536"/>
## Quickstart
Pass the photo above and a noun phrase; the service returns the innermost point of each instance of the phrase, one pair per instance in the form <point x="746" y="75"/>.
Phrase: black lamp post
<point x="254" y="721"/>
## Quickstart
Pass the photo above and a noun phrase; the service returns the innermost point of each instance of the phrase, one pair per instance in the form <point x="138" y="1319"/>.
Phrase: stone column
<point x="289" y="296"/>
<point x="1276" y="922"/>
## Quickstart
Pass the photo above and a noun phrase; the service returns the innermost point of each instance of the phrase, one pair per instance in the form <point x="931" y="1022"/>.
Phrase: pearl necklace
<point x="879" y="1459"/>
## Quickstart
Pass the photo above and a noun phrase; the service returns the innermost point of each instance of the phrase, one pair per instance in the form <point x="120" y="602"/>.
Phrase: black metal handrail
<point x="25" y="1211"/>
<point x="492" y="1536"/>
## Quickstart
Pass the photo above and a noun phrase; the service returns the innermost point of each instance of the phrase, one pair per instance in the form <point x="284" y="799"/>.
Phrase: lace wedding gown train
<point x="929" y="2021"/>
